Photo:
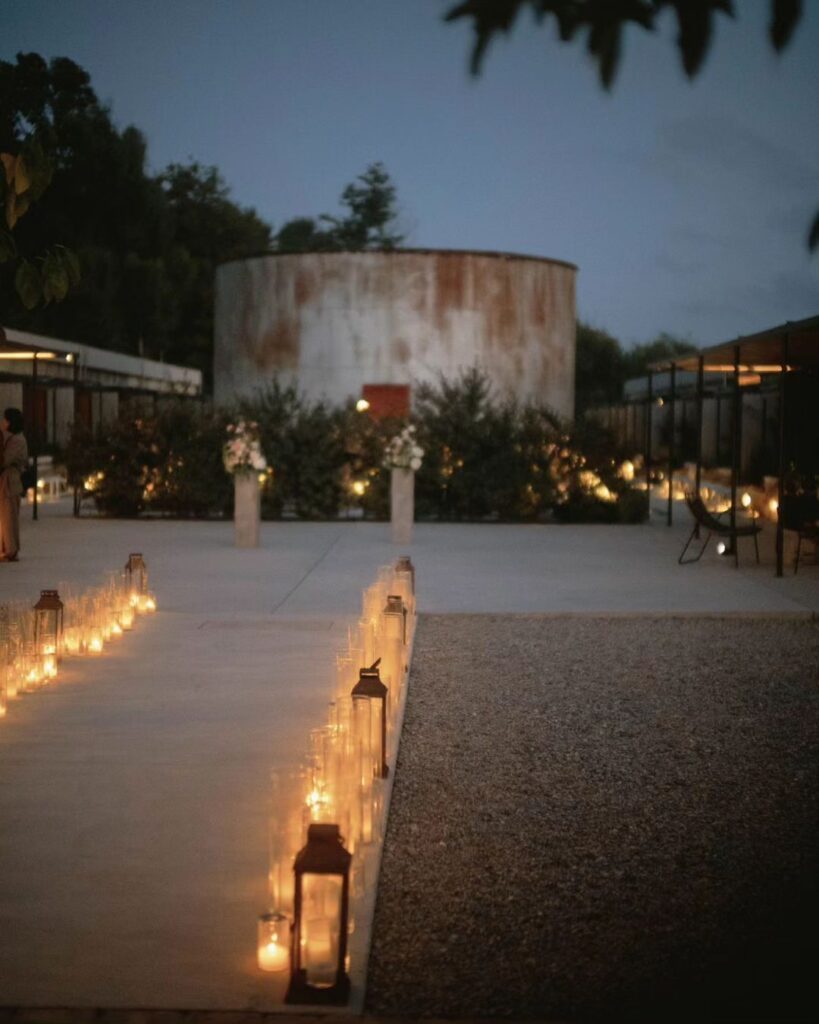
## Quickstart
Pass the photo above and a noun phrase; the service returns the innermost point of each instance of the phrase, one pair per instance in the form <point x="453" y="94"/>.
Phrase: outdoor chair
<point x="712" y="522"/>
<point x="800" y="513"/>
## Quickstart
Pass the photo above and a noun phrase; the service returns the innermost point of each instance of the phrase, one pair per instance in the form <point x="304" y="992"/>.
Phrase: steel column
<point x="780" y="525"/>
<point x="672" y="415"/>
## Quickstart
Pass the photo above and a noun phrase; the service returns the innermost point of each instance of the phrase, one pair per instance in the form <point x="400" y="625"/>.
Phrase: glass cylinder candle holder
<point x="273" y="945"/>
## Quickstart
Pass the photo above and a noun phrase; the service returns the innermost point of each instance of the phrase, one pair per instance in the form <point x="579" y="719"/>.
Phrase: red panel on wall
<point x="387" y="400"/>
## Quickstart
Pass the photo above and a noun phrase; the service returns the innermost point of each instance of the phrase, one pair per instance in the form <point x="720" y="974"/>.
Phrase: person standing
<point x="14" y="461"/>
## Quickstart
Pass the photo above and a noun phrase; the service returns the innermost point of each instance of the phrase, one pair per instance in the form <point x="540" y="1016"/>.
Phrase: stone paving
<point x="134" y="792"/>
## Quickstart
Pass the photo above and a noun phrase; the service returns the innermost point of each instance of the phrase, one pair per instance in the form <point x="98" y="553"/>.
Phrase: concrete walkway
<point x="134" y="792"/>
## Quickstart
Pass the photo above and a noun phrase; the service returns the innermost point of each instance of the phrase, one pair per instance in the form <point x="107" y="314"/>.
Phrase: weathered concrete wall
<point x="332" y="322"/>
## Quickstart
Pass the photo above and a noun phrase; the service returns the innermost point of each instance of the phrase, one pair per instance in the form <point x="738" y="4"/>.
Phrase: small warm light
<point x="273" y="952"/>
<point x="150" y="603"/>
<point x="773" y="506"/>
<point x="362" y="405"/>
<point x="262" y="478"/>
<point x="721" y="549"/>
<point x="40" y="484"/>
<point x="50" y="666"/>
<point x="660" y="403"/>
<point x="359" y="487"/>
<point x="746" y="500"/>
<point x="69" y="357"/>
<point x="116" y="629"/>
<point x="626" y="471"/>
<point x="126" y="618"/>
<point x="95" y="645"/>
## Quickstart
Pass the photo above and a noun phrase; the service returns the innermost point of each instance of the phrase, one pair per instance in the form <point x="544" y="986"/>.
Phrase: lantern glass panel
<point x="321" y="928"/>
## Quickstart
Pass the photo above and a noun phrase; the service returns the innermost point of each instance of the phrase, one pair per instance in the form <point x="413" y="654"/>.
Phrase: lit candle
<point x="273" y="950"/>
<point x="274" y="957"/>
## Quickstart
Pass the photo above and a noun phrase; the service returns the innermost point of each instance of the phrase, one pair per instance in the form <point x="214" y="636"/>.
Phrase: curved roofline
<point x="390" y="252"/>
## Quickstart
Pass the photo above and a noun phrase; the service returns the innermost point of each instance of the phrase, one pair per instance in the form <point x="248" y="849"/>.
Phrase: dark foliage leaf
<point x="785" y="15"/>
<point x="55" y="278"/>
<point x="8" y="250"/>
<point x="71" y="264"/>
<point x="695" y="23"/>
<point x="28" y="284"/>
<point x="813" y="235"/>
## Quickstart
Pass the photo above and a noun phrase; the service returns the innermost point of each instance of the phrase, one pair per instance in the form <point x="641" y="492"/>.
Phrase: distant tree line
<point x="96" y="249"/>
<point x="602" y="365"/>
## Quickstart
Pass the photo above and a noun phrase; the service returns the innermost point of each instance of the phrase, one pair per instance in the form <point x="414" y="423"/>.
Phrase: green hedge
<point x="485" y="459"/>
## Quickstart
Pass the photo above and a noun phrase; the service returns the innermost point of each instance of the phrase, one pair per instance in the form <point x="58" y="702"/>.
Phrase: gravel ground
<point x="602" y="818"/>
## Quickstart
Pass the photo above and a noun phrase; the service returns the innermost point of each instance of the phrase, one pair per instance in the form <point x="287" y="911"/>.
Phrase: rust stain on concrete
<point x="400" y="351"/>
<point x="278" y="348"/>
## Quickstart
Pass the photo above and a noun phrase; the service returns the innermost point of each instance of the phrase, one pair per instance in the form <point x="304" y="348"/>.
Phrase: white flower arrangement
<point x="403" y="451"/>
<point x="242" y="452"/>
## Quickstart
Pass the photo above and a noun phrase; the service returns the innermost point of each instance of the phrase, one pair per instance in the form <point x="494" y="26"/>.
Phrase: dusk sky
<point x="685" y="205"/>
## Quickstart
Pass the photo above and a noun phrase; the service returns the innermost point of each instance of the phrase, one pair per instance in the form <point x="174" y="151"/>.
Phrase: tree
<point x="29" y="106"/>
<point x="370" y="223"/>
<point x="599" y="373"/>
<point x="604" y="21"/>
<point x="602" y="366"/>
<point x="148" y="245"/>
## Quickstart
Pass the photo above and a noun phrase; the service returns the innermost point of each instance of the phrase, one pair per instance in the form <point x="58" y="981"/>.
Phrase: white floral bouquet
<point x="242" y="452"/>
<point x="403" y="451"/>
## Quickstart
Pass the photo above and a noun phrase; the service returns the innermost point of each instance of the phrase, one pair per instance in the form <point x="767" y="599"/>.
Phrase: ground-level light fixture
<point x="48" y="631"/>
<point x="746" y="500"/>
<point x="362" y="405"/>
<point x="371" y="693"/>
<point x="321" y="918"/>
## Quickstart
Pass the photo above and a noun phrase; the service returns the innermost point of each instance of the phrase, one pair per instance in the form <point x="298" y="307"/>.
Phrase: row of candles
<point x="330" y="814"/>
<point x="34" y="640"/>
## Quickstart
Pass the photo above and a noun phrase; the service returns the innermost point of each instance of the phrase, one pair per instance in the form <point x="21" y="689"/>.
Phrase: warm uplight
<point x="773" y="506"/>
<point x="626" y="471"/>
<point x="28" y="355"/>
<point x="50" y="666"/>
<point x="69" y="357"/>
<point x="746" y="500"/>
<point x="660" y="403"/>
<point x="359" y="487"/>
<point x="95" y="644"/>
<point x="116" y="629"/>
<point x="362" y="405"/>
<point x="721" y="549"/>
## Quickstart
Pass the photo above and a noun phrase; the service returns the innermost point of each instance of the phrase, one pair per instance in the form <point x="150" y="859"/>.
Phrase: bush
<point x="484" y="459"/>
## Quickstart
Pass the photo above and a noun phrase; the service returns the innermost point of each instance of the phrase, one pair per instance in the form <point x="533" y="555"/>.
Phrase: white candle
<point x="273" y="956"/>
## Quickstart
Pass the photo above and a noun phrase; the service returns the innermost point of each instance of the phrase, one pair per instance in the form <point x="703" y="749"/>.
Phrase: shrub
<point x="484" y="458"/>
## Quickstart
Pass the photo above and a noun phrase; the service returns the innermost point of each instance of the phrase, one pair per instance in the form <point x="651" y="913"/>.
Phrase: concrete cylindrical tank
<point x="334" y="322"/>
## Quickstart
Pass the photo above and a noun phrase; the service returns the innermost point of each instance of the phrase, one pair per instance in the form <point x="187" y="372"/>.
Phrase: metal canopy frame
<point x="41" y="356"/>
<point x="758" y="362"/>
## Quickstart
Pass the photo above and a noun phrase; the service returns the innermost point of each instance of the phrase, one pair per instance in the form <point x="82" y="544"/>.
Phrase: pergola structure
<point x="52" y="364"/>
<point x="751" y="361"/>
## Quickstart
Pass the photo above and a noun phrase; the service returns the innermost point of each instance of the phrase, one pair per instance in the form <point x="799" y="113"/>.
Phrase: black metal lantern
<point x="321" y="917"/>
<point x="136" y="574"/>
<point x="372" y="692"/>
<point x="48" y="630"/>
